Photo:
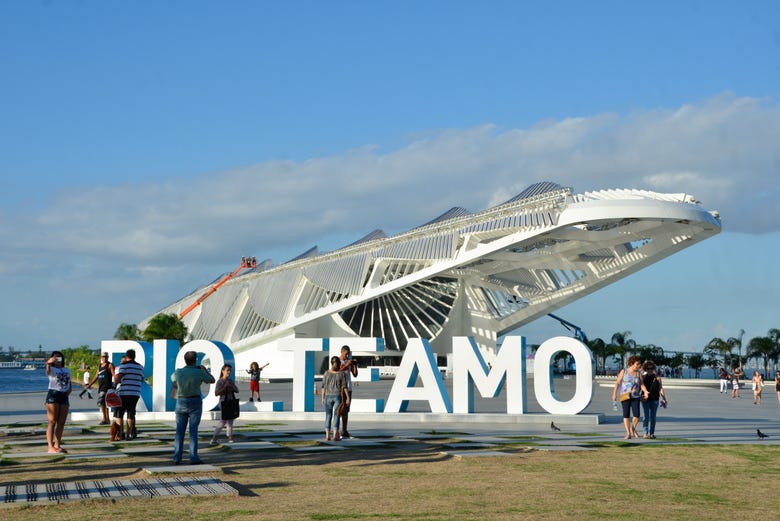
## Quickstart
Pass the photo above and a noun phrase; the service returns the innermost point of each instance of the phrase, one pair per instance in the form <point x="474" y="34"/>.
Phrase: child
<point x="254" y="380"/>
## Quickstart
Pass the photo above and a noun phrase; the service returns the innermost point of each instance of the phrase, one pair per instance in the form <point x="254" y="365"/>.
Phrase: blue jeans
<point x="649" y="408"/>
<point x="332" y="402"/>
<point x="188" y="410"/>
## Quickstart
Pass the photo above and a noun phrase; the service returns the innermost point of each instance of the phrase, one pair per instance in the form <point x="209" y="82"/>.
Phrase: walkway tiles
<point x="36" y="493"/>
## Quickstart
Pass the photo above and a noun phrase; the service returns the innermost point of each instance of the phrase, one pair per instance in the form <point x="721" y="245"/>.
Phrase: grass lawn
<point x="621" y="481"/>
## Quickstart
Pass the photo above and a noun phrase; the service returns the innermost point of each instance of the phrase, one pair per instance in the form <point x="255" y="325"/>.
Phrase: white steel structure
<point x="463" y="274"/>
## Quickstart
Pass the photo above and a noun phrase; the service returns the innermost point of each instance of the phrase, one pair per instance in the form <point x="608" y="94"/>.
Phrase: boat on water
<point x="30" y="367"/>
<point x="10" y="365"/>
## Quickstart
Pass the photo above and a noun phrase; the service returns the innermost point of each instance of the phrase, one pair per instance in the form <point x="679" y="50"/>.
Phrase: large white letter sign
<point x="361" y="347"/>
<point x="543" y="377"/>
<point x="218" y="354"/>
<point x="116" y="349"/>
<point x="162" y="366"/>
<point x="419" y="361"/>
<point x="469" y="368"/>
<point x="303" y="369"/>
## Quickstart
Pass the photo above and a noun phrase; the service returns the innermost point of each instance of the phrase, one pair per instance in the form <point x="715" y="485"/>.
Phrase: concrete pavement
<point x="698" y="413"/>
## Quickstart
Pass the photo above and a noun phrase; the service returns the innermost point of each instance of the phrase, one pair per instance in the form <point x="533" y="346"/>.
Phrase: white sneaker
<point x="212" y="443"/>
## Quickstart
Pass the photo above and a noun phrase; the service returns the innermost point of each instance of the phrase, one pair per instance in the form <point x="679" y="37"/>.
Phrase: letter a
<point x="419" y="361"/>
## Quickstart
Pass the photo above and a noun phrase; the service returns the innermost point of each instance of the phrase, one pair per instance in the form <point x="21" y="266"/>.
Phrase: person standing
<point x="129" y="377"/>
<point x="652" y="392"/>
<point x="105" y="381"/>
<point x="758" y="386"/>
<point x="777" y="385"/>
<point x="349" y="368"/>
<point x="254" y="380"/>
<point x="628" y="381"/>
<point x="85" y="384"/>
<point x="334" y="385"/>
<point x="226" y="389"/>
<point x="735" y="383"/>
<point x="189" y="405"/>
<point x="57" y="401"/>
<point x="723" y="378"/>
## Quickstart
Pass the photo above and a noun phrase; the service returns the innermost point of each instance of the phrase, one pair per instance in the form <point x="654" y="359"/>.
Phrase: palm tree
<point x="600" y="351"/>
<point x="127" y="332"/>
<point x="696" y="361"/>
<point x="761" y="347"/>
<point x="165" y="326"/>
<point x="677" y="361"/>
<point x="651" y="352"/>
<point x="622" y="344"/>
<point x="718" y="346"/>
<point x="737" y="342"/>
<point x="774" y="334"/>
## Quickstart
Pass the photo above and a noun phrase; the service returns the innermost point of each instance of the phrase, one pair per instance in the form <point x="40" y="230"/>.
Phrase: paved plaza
<point x="698" y="414"/>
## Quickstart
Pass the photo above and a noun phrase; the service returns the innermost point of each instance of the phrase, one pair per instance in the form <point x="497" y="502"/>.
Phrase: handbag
<point x="625" y="396"/>
<point x="113" y="399"/>
<point x="230" y="407"/>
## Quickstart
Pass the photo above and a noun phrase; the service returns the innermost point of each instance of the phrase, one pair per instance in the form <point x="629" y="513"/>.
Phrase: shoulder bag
<point x="230" y="408"/>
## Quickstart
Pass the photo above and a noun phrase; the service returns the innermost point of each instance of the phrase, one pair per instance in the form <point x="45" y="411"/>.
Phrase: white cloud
<point x="725" y="151"/>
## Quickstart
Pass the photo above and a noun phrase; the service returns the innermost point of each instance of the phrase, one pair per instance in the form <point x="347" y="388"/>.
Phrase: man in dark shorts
<point x="129" y="377"/>
<point x="350" y="369"/>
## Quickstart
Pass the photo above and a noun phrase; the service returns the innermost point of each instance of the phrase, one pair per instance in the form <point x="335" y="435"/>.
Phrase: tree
<point x="677" y="361"/>
<point x="774" y="334"/>
<point x="761" y="347"/>
<point x="80" y="357"/>
<point x="601" y="351"/>
<point x="165" y="326"/>
<point x="696" y="361"/>
<point x="652" y="352"/>
<point x="622" y="344"/>
<point x="737" y="342"/>
<point x="127" y="332"/>
<point x="713" y="363"/>
<point x="719" y="347"/>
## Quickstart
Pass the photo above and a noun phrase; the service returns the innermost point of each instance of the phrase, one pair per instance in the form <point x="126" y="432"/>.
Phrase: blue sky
<point x="147" y="146"/>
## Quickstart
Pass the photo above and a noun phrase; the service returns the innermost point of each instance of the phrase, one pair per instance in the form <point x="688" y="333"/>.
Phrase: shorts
<point x="58" y="397"/>
<point x="344" y="407"/>
<point x="254" y="386"/>
<point x="630" y="406"/>
<point x="128" y="406"/>
<point x="101" y="401"/>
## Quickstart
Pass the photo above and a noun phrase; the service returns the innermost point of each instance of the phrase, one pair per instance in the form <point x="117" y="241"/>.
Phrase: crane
<point x="246" y="263"/>
<point x="579" y="334"/>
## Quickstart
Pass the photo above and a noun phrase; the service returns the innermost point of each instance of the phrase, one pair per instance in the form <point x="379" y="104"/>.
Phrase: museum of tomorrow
<point x="479" y="275"/>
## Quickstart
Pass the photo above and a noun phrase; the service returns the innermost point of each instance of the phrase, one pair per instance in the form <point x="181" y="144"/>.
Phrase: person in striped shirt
<point x="129" y="377"/>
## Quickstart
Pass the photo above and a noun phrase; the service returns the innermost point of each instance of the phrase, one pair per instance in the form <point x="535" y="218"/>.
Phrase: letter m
<point x="470" y="369"/>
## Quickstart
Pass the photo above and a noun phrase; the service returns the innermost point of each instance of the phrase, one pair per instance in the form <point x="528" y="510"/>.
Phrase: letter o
<point x="543" y="375"/>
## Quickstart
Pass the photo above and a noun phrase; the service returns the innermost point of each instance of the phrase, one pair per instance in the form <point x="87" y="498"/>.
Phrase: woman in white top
<point x="57" y="400"/>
